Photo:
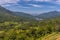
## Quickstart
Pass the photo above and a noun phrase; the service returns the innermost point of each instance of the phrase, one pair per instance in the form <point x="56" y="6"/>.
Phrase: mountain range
<point x="51" y="14"/>
<point x="7" y="15"/>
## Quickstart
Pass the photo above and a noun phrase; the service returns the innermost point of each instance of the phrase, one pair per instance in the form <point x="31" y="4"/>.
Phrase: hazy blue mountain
<point x="24" y="15"/>
<point x="7" y="15"/>
<point x="52" y="14"/>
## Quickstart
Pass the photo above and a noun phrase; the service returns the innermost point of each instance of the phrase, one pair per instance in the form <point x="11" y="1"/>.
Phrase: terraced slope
<point x="53" y="36"/>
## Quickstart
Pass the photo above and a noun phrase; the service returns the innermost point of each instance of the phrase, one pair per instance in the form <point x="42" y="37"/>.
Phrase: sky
<point x="31" y="6"/>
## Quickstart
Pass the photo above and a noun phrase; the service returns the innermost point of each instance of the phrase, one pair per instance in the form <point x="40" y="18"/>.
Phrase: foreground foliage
<point x="28" y="30"/>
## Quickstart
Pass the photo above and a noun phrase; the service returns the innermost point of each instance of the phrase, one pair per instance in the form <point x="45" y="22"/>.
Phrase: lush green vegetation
<point x="33" y="30"/>
<point x="24" y="26"/>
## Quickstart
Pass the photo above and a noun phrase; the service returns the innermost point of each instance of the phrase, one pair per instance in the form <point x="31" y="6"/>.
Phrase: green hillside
<point x="7" y="15"/>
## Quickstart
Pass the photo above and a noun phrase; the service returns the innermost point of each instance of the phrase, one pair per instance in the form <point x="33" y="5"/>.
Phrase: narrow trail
<point x="58" y="38"/>
<point x="53" y="36"/>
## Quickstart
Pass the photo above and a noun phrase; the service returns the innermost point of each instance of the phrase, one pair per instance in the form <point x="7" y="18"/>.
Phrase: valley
<point x="23" y="26"/>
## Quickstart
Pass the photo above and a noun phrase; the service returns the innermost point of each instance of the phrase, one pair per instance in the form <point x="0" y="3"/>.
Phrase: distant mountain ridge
<point x="7" y="15"/>
<point x="24" y="15"/>
<point x="52" y="14"/>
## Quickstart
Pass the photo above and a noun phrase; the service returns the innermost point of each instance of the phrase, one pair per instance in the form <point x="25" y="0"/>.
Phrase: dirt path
<point x="58" y="38"/>
<point x="52" y="36"/>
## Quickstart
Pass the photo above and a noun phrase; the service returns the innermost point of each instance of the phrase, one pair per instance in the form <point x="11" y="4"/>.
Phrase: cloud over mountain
<point x="33" y="6"/>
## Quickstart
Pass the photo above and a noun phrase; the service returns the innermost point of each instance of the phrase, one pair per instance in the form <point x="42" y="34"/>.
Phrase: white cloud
<point x="16" y="1"/>
<point x="43" y="0"/>
<point x="8" y="1"/>
<point x="35" y="5"/>
<point x="6" y="5"/>
<point x="27" y="0"/>
<point x="52" y="1"/>
<point x="57" y="1"/>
